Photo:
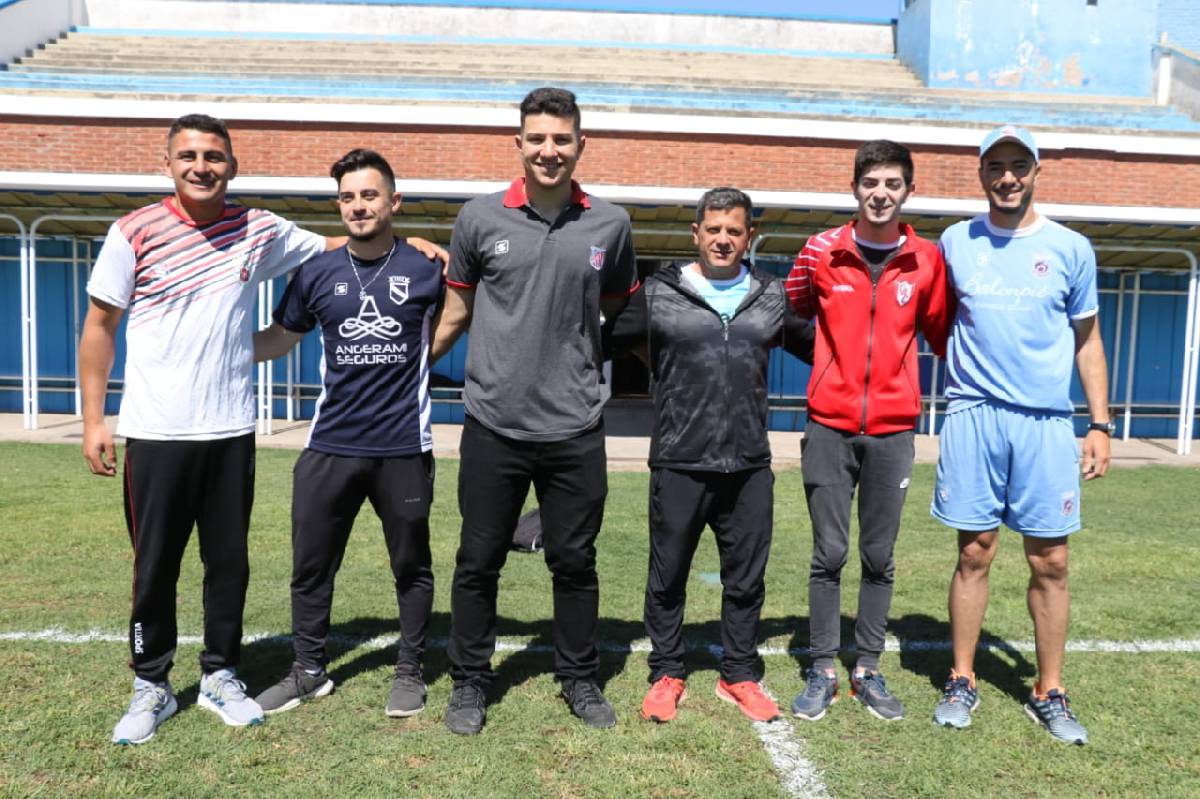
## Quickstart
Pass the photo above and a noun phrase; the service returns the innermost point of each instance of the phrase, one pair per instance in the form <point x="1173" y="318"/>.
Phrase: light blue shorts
<point x="1000" y="464"/>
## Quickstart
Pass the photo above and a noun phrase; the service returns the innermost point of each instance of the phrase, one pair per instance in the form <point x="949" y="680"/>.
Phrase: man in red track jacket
<point x="871" y="285"/>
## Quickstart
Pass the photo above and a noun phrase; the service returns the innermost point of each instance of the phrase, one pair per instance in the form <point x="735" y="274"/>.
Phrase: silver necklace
<point x="362" y="288"/>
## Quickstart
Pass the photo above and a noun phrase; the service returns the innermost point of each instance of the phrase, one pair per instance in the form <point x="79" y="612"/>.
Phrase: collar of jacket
<point x="672" y="275"/>
<point x="845" y="241"/>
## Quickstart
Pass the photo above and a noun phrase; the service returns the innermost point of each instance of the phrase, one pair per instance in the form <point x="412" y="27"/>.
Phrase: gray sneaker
<point x="467" y="709"/>
<point x="1053" y="711"/>
<point x="820" y="691"/>
<point x="959" y="700"/>
<point x="225" y="695"/>
<point x="871" y="691"/>
<point x="152" y="704"/>
<point x="407" y="697"/>
<point x="297" y="686"/>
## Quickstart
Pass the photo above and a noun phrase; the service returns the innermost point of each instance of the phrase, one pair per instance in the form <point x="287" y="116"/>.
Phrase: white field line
<point x="798" y="776"/>
<point x="57" y="635"/>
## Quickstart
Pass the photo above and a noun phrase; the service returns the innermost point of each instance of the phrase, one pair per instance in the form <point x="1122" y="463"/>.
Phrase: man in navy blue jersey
<point x="374" y="299"/>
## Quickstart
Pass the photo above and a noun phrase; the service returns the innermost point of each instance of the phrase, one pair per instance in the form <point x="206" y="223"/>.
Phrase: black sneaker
<point x="586" y="702"/>
<point x="296" y="687"/>
<point x="467" y="709"/>
<point x="407" y="697"/>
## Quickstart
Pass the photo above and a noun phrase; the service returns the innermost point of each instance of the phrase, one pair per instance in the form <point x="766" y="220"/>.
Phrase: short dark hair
<point x="203" y="123"/>
<point x="361" y="158"/>
<point x="883" y="151"/>
<point x="724" y="198"/>
<point x="552" y="101"/>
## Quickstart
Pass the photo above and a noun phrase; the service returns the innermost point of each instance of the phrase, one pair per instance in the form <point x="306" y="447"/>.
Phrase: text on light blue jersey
<point x="1018" y="293"/>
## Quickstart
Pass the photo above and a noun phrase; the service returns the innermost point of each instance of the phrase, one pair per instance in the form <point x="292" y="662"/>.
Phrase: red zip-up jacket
<point x="865" y="377"/>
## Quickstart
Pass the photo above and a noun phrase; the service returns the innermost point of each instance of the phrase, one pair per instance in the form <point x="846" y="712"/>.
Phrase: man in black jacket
<point x="706" y="331"/>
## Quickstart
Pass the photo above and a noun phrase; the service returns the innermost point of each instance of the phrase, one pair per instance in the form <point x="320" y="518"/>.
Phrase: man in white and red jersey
<point x="871" y="284"/>
<point x="185" y="272"/>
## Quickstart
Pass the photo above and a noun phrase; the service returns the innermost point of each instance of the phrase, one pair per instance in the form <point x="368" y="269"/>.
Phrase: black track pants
<point x="171" y="486"/>
<point x="327" y="493"/>
<point x="739" y="508"/>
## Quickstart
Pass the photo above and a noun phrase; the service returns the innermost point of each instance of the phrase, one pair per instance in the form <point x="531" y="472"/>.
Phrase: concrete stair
<point x="359" y="69"/>
<point x="86" y="54"/>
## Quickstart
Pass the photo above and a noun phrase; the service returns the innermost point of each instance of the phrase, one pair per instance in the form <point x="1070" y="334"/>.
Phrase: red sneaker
<point x="662" y="699"/>
<point x="749" y="698"/>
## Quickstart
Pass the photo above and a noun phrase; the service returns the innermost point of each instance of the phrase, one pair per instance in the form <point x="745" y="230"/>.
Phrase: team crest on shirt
<point x="596" y="260"/>
<point x="904" y="292"/>
<point x="244" y="275"/>
<point x="1041" y="265"/>
<point x="398" y="288"/>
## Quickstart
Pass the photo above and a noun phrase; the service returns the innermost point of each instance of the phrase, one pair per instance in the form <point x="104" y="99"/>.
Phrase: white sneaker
<point x="152" y="704"/>
<point x="225" y="695"/>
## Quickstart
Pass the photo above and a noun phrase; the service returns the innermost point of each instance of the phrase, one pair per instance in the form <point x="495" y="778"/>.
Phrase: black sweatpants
<point x="171" y="486"/>
<point x="739" y="508"/>
<point x="571" y="483"/>
<point x="834" y="462"/>
<point x="327" y="492"/>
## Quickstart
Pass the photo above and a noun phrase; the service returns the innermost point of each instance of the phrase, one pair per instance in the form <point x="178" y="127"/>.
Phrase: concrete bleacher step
<point x="160" y="55"/>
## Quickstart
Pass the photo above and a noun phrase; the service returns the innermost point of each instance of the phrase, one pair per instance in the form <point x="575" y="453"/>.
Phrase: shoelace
<point x="146" y="699"/>
<point x="817" y="684"/>
<point x="958" y="690"/>
<point x="467" y="696"/>
<point x="663" y="689"/>
<point x="587" y="693"/>
<point x="1056" y="706"/>
<point x="229" y="689"/>
<point x="869" y="680"/>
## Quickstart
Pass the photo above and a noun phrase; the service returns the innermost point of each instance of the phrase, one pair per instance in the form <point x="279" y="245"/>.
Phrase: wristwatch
<point x="1104" y="427"/>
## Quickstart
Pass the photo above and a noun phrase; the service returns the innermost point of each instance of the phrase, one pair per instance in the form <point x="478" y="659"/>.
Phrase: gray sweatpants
<point x="834" y="462"/>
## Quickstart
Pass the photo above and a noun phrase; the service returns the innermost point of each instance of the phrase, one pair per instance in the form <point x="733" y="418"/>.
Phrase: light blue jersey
<point x="723" y="296"/>
<point x="1018" y="293"/>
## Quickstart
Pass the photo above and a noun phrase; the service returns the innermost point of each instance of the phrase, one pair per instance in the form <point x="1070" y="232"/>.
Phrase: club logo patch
<point x="341" y="289"/>
<point x="1068" y="503"/>
<point x="904" y="292"/>
<point x="596" y="260"/>
<point x="501" y="247"/>
<point x="398" y="288"/>
<point x="1041" y="266"/>
<point x="244" y="275"/>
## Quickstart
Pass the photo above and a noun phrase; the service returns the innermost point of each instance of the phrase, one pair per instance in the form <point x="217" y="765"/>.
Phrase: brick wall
<point x="290" y="150"/>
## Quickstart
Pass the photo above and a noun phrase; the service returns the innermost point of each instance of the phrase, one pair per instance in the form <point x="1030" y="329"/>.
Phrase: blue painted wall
<point x="1180" y="21"/>
<point x="1156" y="382"/>
<point x="1056" y="46"/>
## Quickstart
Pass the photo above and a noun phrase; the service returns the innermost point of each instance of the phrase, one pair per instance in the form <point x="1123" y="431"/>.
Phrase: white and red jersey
<point x="189" y="291"/>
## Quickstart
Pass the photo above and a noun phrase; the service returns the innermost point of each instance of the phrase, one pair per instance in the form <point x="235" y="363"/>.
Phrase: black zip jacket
<point x="709" y="374"/>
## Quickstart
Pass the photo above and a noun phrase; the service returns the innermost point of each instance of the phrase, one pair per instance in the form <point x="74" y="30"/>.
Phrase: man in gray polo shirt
<point x="531" y="270"/>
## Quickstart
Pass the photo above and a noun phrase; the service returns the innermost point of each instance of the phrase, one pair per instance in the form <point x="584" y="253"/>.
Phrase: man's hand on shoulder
<point x="431" y="251"/>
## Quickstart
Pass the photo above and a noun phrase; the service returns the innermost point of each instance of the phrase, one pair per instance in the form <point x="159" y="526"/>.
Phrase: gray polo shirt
<point x="533" y="361"/>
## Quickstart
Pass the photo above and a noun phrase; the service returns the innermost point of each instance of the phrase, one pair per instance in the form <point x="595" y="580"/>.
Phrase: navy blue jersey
<point x="375" y="330"/>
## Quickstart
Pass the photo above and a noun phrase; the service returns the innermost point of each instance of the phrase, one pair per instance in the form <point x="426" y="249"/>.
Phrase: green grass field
<point x="65" y="564"/>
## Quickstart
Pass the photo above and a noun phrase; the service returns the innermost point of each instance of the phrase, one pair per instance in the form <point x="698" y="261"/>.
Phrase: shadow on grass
<point x="998" y="664"/>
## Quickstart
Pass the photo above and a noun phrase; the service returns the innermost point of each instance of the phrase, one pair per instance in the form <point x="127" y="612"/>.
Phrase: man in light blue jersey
<point x="1026" y="308"/>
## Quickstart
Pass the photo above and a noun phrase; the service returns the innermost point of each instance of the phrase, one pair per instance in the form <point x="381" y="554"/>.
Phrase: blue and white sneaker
<point x="225" y="695"/>
<point x="820" y="691"/>
<point x="1053" y="711"/>
<point x="152" y="704"/>
<point x="959" y="700"/>
<point x="871" y="690"/>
